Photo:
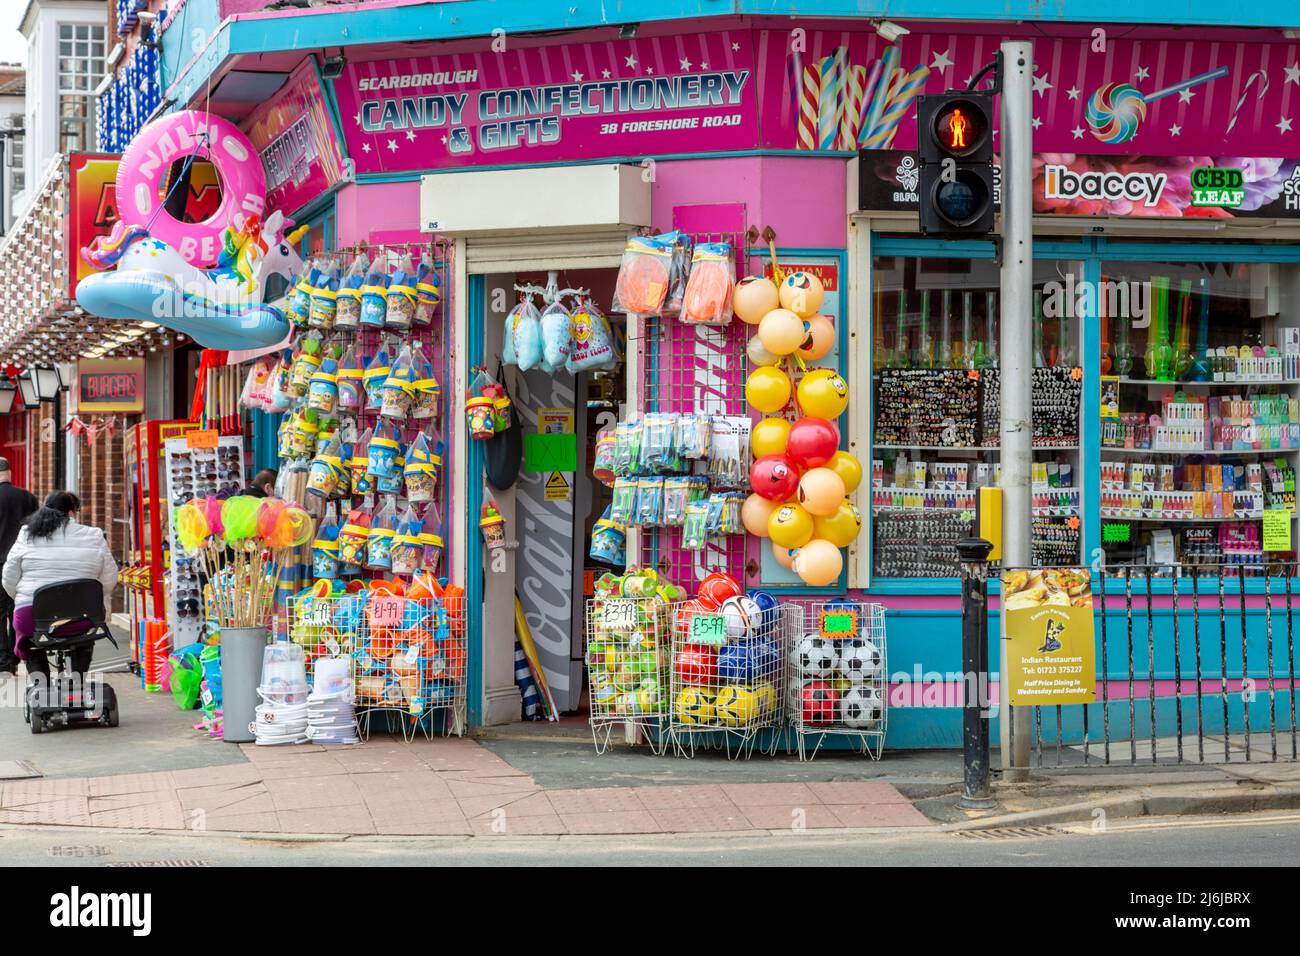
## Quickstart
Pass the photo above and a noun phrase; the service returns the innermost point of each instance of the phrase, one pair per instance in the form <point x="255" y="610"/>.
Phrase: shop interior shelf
<point x="1152" y="520"/>
<point x="1185" y="453"/>
<point x="978" y="448"/>
<point x="1232" y="384"/>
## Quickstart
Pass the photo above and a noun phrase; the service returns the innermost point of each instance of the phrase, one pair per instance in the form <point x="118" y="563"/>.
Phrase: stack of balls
<point x="627" y="658"/>
<point x="836" y="682"/>
<point x="730" y="685"/>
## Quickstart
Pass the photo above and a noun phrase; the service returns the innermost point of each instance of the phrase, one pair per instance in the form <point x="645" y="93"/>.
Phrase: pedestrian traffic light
<point x="955" y="146"/>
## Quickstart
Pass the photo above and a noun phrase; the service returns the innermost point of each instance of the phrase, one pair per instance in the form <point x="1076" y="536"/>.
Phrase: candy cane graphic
<point x="1263" y="88"/>
<point x="809" y="94"/>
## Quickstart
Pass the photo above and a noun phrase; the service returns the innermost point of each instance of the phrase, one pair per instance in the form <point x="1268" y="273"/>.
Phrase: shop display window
<point x="1200" y="413"/>
<point x="936" y="410"/>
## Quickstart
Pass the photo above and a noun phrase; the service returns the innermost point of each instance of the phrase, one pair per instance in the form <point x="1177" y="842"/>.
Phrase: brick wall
<point x="43" y="435"/>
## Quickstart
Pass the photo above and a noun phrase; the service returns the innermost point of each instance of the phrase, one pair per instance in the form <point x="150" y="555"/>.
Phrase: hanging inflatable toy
<point x="754" y="297"/>
<point x="205" y="279"/>
<point x="802" y="294"/>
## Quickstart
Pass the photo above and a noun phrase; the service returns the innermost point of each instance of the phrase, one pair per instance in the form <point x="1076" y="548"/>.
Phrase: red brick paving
<point x="433" y="788"/>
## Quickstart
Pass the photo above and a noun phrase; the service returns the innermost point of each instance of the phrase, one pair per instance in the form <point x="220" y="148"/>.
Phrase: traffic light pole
<point x="1017" y="285"/>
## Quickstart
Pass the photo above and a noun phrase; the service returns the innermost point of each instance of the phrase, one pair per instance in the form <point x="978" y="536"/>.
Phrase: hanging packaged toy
<point x="677" y="490"/>
<point x="419" y="470"/>
<point x="658" y="451"/>
<point x="427" y="391"/>
<point x="693" y="435"/>
<point x="608" y="541"/>
<point x="603" y="469"/>
<point x="401" y="296"/>
<point x="492" y="524"/>
<point x="708" y="292"/>
<point x="627" y="448"/>
<point x="349" y="381"/>
<point x="381" y="460"/>
<point x="347" y="314"/>
<point x="325" y="551"/>
<point x="305" y="363"/>
<point x="324" y="299"/>
<point x="379" y="539"/>
<point x="303" y="433"/>
<point x="525" y="327"/>
<point x="374" y="295"/>
<point x="359" y="462"/>
<point x="399" y="387"/>
<point x="428" y="290"/>
<point x="323" y="478"/>
<point x="352" y="538"/>
<point x="323" y="391"/>
<point x="592" y="346"/>
<point x="300" y="300"/>
<point x="374" y="377"/>
<point x="480" y="406"/>
<point x="281" y="400"/>
<point x="695" y="530"/>
<point x="643" y="275"/>
<point x="407" y="549"/>
<point x="257" y="386"/>
<point x="679" y="274"/>
<point x="649" y="502"/>
<point x="557" y="333"/>
<point x="623" y="502"/>
<point x="391" y="484"/>
<point x="431" y="540"/>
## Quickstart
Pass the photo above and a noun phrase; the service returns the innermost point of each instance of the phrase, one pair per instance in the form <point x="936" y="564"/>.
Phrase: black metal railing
<point x="1204" y="649"/>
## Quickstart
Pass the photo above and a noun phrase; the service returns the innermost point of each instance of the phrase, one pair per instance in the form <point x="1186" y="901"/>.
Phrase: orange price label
<point x="202" y="438"/>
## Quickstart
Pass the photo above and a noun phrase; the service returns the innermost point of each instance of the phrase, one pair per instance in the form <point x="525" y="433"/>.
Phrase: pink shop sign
<point x="619" y="98"/>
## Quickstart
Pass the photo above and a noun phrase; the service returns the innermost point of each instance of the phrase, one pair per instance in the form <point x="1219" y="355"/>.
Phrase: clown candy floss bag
<point x="593" y="341"/>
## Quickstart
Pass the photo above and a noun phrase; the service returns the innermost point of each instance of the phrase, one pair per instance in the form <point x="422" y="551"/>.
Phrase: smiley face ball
<point x="802" y="294"/>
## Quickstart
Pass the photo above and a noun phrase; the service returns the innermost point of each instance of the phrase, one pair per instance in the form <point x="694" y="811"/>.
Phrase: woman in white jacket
<point x="53" y="547"/>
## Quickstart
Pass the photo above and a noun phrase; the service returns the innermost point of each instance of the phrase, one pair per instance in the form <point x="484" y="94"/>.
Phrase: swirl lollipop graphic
<point x="1116" y="110"/>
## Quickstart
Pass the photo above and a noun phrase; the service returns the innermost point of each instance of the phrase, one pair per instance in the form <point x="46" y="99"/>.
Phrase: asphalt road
<point x="1245" y="840"/>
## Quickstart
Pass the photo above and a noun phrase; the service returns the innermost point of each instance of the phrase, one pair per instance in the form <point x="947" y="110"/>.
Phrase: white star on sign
<point x="356" y="118"/>
<point x="444" y="141"/>
<point x="392" y="145"/>
<point x="1041" y="85"/>
<point x="1143" y="73"/>
<point x="577" y="77"/>
<point x="649" y="71"/>
<point x="684" y="63"/>
<point x="1078" y="132"/>
<point x="940" y="61"/>
<point x="1283" y="125"/>
<point x="410" y="136"/>
<point x="1072" y="92"/>
<point x="1175" y="130"/>
<point x="1292" y="73"/>
<point x="1035" y="122"/>
<point x="630" y="61"/>
<point x="704" y="66"/>
<point x="735" y="47"/>
<point x="365" y="147"/>
<point x="604" y="74"/>
<point x="1185" y="96"/>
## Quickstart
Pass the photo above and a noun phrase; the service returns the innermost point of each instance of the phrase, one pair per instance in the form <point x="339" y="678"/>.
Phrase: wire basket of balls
<point x="628" y="643"/>
<point x="728" y="665"/>
<point x="839" y="677"/>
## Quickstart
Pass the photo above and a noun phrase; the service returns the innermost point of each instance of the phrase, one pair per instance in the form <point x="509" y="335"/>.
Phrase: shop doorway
<point x="552" y="507"/>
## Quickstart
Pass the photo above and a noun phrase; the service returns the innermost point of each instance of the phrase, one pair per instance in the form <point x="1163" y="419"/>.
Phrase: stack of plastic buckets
<point x="282" y="714"/>
<point x="330" y="714"/>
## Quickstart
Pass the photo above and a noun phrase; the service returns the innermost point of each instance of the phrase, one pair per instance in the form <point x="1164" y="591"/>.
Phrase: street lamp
<point x="7" y="393"/>
<point x="27" y="386"/>
<point x="47" y="383"/>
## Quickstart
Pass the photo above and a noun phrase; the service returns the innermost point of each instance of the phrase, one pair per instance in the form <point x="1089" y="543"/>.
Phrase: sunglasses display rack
<point x="194" y="473"/>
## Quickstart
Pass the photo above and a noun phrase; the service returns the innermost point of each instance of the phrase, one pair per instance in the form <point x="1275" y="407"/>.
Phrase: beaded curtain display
<point x="435" y="339"/>
<point x="694" y="368"/>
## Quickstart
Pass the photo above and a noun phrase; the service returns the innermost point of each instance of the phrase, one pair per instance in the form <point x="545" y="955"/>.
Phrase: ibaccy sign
<point x="1060" y="182"/>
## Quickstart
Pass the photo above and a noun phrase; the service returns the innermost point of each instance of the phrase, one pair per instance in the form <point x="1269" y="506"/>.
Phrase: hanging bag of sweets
<point x="374" y="377"/>
<point x="324" y="299"/>
<point x="557" y="334"/>
<point x="347" y="314"/>
<point x="349" y="381"/>
<point x="428" y="290"/>
<point x="374" y="295"/>
<point x="427" y="391"/>
<point x="708" y="292"/>
<point x="644" y="275"/>
<point x="592" y="347"/>
<point x="399" y="387"/>
<point x="401" y="296"/>
<point x="525" y="327"/>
